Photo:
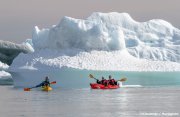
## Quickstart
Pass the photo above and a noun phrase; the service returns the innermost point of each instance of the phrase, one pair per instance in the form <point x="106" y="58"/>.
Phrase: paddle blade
<point x="54" y="82"/>
<point x="27" y="89"/>
<point x="123" y="79"/>
<point x="91" y="76"/>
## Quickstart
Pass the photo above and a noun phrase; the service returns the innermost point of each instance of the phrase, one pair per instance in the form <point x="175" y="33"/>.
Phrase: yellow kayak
<point x="46" y="88"/>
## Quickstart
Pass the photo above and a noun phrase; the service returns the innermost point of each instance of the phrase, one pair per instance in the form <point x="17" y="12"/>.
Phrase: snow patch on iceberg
<point x="93" y="60"/>
<point x="4" y="75"/>
<point x="3" y="66"/>
<point x="5" y="78"/>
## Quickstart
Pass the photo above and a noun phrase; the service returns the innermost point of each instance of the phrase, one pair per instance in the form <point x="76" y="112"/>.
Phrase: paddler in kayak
<point x="103" y="81"/>
<point x="44" y="83"/>
<point x="111" y="81"/>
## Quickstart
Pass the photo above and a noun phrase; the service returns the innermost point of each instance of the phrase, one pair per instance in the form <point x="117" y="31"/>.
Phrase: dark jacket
<point x="44" y="83"/>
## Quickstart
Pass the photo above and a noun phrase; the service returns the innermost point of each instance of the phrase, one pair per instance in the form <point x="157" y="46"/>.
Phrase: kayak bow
<point x="46" y="88"/>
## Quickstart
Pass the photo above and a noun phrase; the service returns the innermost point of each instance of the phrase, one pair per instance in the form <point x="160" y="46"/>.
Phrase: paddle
<point x="29" y="89"/>
<point x="91" y="76"/>
<point x="54" y="82"/>
<point x="122" y="80"/>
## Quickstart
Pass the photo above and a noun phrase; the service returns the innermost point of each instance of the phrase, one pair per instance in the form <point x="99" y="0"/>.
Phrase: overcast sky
<point x="18" y="17"/>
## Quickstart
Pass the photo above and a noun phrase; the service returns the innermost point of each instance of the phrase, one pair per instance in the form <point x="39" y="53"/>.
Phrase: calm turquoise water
<point x="70" y="78"/>
<point x="158" y="95"/>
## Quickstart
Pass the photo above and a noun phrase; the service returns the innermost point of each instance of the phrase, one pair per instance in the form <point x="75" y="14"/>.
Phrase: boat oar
<point x="91" y="76"/>
<point x="29" y="89"/>
<point x="122" y="79"/>
<point x="54" y="82"/>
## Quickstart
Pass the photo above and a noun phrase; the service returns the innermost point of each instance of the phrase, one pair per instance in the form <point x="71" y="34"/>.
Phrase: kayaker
<point x="104" y="81"/>
<point x="44" y="83"/>
<point x="111" y="81"/>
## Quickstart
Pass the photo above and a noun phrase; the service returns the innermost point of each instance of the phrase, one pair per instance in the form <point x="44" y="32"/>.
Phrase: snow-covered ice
<point x="94" y="60"/>
<point x="3" y="66"/>
<point x="9" y="50"/>
<point x="5" y="78"/>
<point x="104" y="41"/>
<point x="4" y="75"/>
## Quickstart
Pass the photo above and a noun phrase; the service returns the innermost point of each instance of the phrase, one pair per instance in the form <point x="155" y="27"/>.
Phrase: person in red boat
<point x="103" y="81"/>
<point x="111" y="81"/>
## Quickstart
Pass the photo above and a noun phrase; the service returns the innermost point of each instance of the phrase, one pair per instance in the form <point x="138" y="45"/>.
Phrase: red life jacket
<point x="112" y="82"/>
<point x="104" y="82"/>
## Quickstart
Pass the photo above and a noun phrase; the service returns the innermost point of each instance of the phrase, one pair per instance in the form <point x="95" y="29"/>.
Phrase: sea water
<point x="85" y="102"/>
<point x="144" y="94"/>
<point x="74" y="78"/>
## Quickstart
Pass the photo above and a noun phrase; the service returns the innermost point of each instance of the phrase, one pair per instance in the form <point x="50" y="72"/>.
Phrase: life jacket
<point x="46" y="83"/>
<point x="104" y="82"/>
<point x="112" y="82"/>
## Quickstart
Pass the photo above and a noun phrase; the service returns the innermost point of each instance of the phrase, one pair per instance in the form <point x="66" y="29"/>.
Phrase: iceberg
<point x="5" y="78"/>
<point x="103" y="41"/>
<point x="9" y="50"/>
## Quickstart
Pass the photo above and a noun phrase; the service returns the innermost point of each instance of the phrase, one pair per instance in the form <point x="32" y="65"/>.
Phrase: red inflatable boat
<point x="100" y="86"/>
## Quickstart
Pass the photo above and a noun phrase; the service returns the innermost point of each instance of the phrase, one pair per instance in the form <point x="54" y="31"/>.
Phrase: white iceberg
<point x="9" y="50"/>
<point x="104" y="41"/>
